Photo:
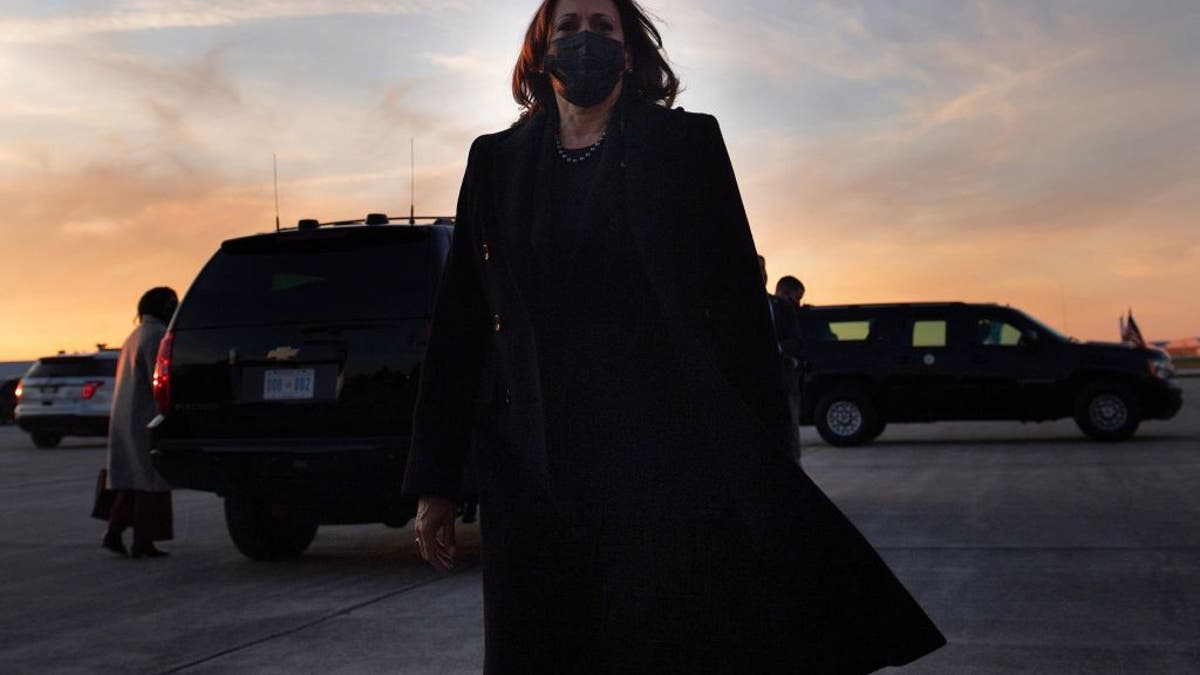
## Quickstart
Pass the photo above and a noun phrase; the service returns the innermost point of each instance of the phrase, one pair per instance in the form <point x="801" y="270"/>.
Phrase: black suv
<point x="866" y="365"/>
<point x="287" y="378"/>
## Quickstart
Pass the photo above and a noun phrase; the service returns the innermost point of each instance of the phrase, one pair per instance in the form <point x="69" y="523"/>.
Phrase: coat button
<point x="496" y="324"/>
<point x="507" y="396"/>
<point x="487" y="253"/>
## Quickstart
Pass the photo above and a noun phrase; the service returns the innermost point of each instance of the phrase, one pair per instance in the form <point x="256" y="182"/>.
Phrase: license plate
<point x="289" y="385"/>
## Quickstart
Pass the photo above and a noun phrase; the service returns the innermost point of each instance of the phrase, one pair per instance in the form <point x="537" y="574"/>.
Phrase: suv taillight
<point x="89" y="389"/>
<point x="162" y="373"/>
<point x="19" y="391"/>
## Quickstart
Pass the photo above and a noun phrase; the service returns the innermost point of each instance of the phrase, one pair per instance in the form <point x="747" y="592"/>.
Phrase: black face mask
<point x="588" y="66"/>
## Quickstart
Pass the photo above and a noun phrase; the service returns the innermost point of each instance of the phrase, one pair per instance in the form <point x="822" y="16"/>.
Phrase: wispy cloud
<point x="202" y="80"/>
<point x="138" y="15"/>
<point x="470" y="62"/>
<point x="398" y="113"/>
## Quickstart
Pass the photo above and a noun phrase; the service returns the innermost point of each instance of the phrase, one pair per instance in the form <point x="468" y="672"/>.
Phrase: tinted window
<point x="74" y="366"/>
<point x="996" y="333"/>
<point x="1044" y="329"/>
<point x="328" y="277"/>
<point x="842" y="327"/>
<point x="850" y="331"/>
<point x="929" y="333"/>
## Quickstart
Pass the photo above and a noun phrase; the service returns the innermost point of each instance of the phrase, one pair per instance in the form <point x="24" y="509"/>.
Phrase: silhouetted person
<point x="143" y="498"/>
<point x="786" y="322"/>
<point x="790" y="288"/>
<point x="602" y="326"/>
<point x="783" y="317"/>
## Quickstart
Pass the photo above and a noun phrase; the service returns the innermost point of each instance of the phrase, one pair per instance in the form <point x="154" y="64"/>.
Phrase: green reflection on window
<point x="287" y="282"/>
<point x="929" y="334"/>
<point x="850" y="331"/>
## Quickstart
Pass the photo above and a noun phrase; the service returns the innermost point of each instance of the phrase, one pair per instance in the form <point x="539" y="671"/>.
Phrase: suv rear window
<point x="329" y="277"/>
<point x="73" y="366"/>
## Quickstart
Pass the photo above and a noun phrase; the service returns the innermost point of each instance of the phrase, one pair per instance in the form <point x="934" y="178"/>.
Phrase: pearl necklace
<point x="575" y="160"/>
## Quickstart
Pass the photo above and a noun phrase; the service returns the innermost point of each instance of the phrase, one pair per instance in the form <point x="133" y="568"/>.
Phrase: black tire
<point x="45" y="439"/>
<point x="262" y="533"/>
<point x="1107" y="411"/>
<point x="846" y="417"/>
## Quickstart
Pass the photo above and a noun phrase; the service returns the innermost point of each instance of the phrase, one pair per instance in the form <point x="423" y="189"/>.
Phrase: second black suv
<point x="867" y="365"/>
<point x="287" y="378"/>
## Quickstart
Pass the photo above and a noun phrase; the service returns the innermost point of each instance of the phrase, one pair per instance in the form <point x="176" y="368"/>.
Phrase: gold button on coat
<point x="496" y="323"/>
<point x="487" y="253"/>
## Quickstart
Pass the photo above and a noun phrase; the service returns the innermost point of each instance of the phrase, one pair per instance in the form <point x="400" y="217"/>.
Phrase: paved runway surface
<point x="1035" y="550"/>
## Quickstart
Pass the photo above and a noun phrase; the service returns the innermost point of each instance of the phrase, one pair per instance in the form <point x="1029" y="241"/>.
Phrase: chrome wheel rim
<point x="1108" y="412"/>
<point x="844" y="418"/>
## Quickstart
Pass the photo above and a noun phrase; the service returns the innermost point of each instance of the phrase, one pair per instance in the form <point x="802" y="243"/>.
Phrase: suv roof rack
<point x="372" y="219"/>
<point x="885" y="305"/>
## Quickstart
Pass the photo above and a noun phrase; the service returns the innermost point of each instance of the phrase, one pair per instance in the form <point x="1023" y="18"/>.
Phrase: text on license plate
<point x="289" y="385"/>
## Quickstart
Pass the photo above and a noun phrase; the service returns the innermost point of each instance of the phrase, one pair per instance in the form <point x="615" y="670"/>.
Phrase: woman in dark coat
<point x="143" y="498"/>
<point x="602" y="347"/>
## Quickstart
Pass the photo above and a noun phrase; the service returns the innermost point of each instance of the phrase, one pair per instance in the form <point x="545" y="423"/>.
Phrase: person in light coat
<point x="143" y="498"/>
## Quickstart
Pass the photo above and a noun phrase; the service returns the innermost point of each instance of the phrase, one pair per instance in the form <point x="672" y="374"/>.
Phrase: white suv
<point x="67" y="396"/>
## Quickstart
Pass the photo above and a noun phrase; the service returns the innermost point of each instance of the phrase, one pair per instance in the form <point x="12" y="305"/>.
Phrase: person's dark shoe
<point x="148" y="551"/>
<point x="112" y="542"/>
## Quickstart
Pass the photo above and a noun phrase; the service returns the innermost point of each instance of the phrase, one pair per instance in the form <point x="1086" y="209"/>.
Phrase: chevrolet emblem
<point x="283" y="354"/>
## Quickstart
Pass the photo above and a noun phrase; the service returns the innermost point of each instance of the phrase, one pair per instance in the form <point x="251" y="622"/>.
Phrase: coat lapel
<point x="659" y="240"/>
<point x="515" y="175"/>
<point x="666" y="244"/>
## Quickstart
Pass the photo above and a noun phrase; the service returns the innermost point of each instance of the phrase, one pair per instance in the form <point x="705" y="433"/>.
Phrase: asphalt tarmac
<point x="1035" y="550"/>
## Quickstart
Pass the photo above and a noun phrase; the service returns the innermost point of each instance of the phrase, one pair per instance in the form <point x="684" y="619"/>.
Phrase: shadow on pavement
<point x="966" y="440"/>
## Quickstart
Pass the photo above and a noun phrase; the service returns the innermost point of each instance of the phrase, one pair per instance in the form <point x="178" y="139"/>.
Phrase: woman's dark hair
<point x="159" y="303"/>
<point x="651" y="78"/>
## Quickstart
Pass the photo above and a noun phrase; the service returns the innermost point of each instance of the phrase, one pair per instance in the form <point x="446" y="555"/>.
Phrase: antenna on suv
<point x="275" y="174"/>
<point x="412" y="177"/>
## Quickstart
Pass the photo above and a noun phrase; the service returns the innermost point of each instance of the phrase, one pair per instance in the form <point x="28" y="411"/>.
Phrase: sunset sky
<point x="1044" y="154"/>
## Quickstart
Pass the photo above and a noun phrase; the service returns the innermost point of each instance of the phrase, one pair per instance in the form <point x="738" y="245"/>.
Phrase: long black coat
<point x="480" y="388"/>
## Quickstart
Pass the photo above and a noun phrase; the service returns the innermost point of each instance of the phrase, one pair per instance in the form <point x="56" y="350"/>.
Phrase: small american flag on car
<point x="1130" y="333"/>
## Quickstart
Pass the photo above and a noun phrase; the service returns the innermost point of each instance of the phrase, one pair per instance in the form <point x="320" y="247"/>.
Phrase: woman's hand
<point x="435" y="531"/>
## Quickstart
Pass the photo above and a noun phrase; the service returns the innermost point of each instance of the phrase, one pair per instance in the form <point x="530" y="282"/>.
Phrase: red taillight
<point x="162" y="373"/>
<point x="20" y="391"/>
<point x="89" y="389"/>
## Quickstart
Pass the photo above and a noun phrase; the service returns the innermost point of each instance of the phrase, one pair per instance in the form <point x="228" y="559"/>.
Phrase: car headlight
<point x="1162" y="368"/>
